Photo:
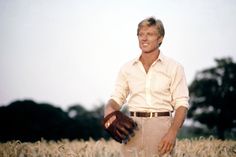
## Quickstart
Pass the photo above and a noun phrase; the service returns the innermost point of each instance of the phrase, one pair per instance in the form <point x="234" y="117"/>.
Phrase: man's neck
<point x="149" y="58"/>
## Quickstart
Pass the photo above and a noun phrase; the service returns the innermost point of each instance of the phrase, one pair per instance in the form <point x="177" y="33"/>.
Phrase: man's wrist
<point x="174" y="130"/>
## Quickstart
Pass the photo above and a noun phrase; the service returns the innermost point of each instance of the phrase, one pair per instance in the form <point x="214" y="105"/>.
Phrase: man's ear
<point x="159" y="40"/>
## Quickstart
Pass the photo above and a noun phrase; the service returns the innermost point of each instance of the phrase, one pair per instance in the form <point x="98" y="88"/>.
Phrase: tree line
<point x="27" y="120"/>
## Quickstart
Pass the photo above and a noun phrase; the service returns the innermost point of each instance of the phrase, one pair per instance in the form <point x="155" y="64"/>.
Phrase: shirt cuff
<point x="118" y="101"/>
<point x="182" y="102"/>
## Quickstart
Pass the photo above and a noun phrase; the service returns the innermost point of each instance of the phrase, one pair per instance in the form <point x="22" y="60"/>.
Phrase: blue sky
<point x="66" y="52"/>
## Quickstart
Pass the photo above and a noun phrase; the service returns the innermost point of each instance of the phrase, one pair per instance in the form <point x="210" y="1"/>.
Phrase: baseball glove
<point x="119" y="126"/>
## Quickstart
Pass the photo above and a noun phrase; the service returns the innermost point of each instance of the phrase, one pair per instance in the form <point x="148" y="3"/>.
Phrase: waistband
<point x="150" y="114"/>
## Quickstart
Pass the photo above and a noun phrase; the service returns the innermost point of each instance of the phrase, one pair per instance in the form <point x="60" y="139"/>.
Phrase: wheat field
<point x="201" y="147"/>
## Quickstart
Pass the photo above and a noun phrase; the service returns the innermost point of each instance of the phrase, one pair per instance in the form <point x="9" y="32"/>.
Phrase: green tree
<point x="213" y="97"/>
<point x="86" y="124"/>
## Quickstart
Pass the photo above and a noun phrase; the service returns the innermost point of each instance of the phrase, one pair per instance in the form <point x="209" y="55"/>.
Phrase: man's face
<point x="149" y="39"/>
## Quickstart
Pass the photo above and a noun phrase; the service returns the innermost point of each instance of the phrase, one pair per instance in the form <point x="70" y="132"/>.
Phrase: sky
<point x="67" y="52"/>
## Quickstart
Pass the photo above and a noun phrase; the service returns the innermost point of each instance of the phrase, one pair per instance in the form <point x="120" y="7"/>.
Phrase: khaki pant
<point x="147" y="137"/>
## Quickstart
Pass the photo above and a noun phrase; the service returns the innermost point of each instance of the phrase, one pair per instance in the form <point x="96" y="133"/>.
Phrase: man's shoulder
<point x="130" y="63"/>
<point x="170" y="61"/>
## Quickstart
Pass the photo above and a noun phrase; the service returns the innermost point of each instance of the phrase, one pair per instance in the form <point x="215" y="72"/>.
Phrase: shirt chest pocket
<point x="160" y="83"/>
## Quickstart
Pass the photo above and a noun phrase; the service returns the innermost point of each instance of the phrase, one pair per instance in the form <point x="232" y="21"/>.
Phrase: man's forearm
<point x="110" y="107"/>
<point x="179" y="118"/>
<point x="168" y="141"/>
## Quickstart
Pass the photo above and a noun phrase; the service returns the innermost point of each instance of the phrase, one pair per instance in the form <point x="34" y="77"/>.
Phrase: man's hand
<point x="167" y="143"/>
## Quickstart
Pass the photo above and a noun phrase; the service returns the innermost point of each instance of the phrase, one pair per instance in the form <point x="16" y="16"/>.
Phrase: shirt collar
<point x="160" y="58"/>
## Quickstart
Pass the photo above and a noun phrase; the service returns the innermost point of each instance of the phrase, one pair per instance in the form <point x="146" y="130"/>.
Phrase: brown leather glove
<point x="119" y="126"/>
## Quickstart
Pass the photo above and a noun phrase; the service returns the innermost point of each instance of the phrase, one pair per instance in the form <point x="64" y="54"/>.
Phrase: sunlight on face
<point x="148" y="39"/>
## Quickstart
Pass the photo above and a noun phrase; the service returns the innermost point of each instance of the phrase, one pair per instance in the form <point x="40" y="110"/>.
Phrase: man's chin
<point x="148" y="51"/>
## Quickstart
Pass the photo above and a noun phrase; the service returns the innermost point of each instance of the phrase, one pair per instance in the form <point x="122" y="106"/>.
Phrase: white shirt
<point x="163" y="88"/>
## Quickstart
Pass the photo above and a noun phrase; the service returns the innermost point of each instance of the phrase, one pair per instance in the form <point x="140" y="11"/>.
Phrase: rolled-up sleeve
<point x="121" y="89"/>
<point x="179" y="89"/>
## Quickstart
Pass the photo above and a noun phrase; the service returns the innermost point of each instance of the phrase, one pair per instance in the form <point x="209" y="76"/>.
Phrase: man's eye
<point x="147" y="35"/>
<point x="141" y="35"/>
<point x="150" y="34"/>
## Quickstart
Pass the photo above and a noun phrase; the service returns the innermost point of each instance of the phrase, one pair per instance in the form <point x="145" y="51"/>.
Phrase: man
<point x="156" y="87"/>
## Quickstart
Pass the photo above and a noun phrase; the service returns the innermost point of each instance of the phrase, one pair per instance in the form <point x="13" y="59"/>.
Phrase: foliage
<point x="29" y="121"/>
<point x="213" y="96"/>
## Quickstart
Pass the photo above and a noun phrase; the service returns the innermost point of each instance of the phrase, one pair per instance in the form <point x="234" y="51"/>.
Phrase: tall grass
<point x="201" y="147"/>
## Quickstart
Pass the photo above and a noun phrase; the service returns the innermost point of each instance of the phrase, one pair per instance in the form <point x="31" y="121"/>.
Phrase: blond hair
<point x="152" y="21"/>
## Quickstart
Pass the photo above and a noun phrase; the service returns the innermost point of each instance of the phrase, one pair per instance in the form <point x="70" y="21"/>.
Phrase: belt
<point x="149" y="114"/>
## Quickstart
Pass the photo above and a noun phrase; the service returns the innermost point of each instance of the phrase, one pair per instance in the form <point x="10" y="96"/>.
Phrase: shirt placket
<point x="148" y="96"/>
<point x="148" y="88"/>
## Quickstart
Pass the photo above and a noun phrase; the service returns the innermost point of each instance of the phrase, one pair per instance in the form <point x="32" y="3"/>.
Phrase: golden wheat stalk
<point x="204" y="147"/>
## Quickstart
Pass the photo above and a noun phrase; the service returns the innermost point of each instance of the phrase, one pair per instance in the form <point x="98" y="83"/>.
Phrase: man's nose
<point x="144" y="37"/>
